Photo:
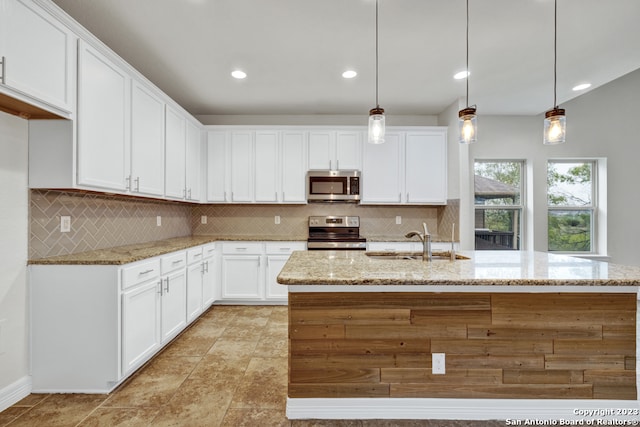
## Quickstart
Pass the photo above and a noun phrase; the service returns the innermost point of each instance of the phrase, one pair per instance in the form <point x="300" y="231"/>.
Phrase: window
<point x="499" y="202"/>
<point x="571" y="205"/>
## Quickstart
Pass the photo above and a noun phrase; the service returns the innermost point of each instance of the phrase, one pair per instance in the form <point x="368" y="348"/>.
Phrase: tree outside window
<point x="498" y="204"/>
<point x="571" y="206"/>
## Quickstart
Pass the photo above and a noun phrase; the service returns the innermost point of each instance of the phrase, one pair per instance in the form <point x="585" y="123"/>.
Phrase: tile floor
<point x="228" y="369"/>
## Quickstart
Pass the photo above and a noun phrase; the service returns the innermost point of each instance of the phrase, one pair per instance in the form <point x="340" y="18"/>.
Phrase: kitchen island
<point x="501" y="335"/>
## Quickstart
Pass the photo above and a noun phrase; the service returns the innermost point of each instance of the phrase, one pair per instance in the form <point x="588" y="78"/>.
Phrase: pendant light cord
<point x="377" y="104"/>
<point x="467" y="53"/>
<point x="555" y="50"/>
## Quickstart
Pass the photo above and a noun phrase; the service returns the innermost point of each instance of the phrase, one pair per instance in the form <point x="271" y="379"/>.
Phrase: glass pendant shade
<point x="555" y="126"/>
<point x="468" y="125"/>
<point x="376" y="126"/>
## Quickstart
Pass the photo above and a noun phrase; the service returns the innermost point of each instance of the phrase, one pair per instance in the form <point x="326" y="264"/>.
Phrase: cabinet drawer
<point x="238" y="248"/>
<point x="173" y="262"/>
<point x="209" y="250"/>
<point x="194" y="255"/>
<point x="285" y="247"/>
<point x="140" y="272"/>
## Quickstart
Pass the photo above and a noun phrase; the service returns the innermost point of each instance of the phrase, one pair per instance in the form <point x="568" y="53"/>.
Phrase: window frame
<point x="521" y="207"/>
<point x="593" y="207"/>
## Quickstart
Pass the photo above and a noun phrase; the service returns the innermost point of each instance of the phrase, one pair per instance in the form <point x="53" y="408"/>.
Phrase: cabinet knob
<point x="3" y="67"/>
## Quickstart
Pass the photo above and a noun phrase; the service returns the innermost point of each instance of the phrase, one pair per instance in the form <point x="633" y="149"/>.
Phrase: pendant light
<point x="376" y="115"/>
<point x="467" y="119"/>
<point x="555" y="122"/>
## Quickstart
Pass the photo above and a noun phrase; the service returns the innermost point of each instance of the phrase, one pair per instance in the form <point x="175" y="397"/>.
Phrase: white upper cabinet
<point x="335" y="150"/>
<point x="294" y="167"/>
<point x="409" y="168"/>
<point x="217" y="166"/>
<point x="242" y="166"/>
<point x="175" y="148"/>
<point x="193" y="162"/>
<point x="267" y="167"/>
<point x="381" y="171"/>
<point x="38" y="55"/>
<point x="103" y="121"/>
<point x="147" y="142"/>
<point x="426" y="167"/>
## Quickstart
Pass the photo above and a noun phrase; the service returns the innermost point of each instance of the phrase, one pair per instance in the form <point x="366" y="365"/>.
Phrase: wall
<point x="100" y="221"/>
<point x="14" y="214"/>
<point x="600" y="124"/>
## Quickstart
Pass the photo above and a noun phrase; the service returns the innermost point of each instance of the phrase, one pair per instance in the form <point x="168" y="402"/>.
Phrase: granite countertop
<point x="130" y="253"/>
<point x="502" y="268"/>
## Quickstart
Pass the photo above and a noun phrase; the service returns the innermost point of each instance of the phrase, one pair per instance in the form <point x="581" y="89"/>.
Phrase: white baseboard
<point x="14" y="393"/>
<point x="513" y="411"/>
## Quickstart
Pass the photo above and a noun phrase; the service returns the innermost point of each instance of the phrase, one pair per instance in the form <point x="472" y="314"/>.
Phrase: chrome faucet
<point x="425" y="238"/>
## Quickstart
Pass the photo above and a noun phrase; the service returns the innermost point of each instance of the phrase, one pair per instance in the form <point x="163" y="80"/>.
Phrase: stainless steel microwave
<point x="333" y="186"/>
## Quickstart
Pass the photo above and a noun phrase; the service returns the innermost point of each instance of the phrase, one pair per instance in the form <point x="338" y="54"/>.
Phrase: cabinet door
<point x="241" y="277"/>
<point x="174" y="304"/>
<point x="216" y="166"/>
<point x="147" y="141"/>
<point x="39" y="54"/>
<point x="194" y="142"/>
<point x="294" y="167"/>
<point x="241" y="167"/>
<point x="274" y="290"/>
<point x="322" y="150"/>
<point x="175" y="147"/>
<point x="103" y="121"/>
<point x="194" y="290"/>
<point x="208" y="282"/>
<point x="348" y="150"/>
<point x="140" y="324"/>
<point x="267" y="167"/>
<point x="426" y="167"/>
<point x="381" y="174"/>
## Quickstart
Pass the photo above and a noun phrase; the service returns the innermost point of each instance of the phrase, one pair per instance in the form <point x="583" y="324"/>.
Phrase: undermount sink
<point x="412" y="255"/>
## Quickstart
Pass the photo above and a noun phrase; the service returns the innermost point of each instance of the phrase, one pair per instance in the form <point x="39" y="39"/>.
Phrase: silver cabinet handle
<point x="241" y="249"/>
<point x="330" y="164"/>
<point x="160" y="283"/>
<point x="128" y="183"/>
<point x="178" y="261"/>
<point x="399" y="197"/>
<point x="3" y="63"/>
<point x="285" y="249"/>
<point x="207" y="262"/>
<point x="338" y="164"/>
<point x="146" y="272"/>
<point x="189" y="193"/>
<point x="197" y="255"/>
<point x="137" y="181"/>
<point x="225" y="196"/>
<point x="205" y="265"/>
<point x="184" y="193"/>
<point x="167" y="289"/>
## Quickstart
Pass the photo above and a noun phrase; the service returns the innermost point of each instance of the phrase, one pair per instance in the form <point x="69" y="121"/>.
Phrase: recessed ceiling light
<point x="461" y="75"/>
<point x="238" y="74"/>
<point x="349" y="74"/>
<point x="582" y="86"/>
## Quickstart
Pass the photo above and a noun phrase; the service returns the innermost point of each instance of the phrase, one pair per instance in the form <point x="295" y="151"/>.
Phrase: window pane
<point x="569" y="184"/>
<point x="497" y="183"/>
<point x="497" y="229"/>
<point x="570" y="231"/>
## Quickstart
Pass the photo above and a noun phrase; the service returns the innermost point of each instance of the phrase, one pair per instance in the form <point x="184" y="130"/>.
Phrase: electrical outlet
<point x="398" y="220"/>
<point x="437" y="363"/>
<point x="65" y="224"/>
<point x="158" y="220"/>
<point x="203" y="219"/>
<point x="277" y="219"/>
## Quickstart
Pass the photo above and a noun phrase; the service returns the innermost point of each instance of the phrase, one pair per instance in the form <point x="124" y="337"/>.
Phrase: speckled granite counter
<point x="496" y="268"/>
<point x="130" y="253"/>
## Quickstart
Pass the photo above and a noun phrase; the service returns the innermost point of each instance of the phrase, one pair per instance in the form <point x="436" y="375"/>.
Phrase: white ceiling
<point x="294" y="51"/>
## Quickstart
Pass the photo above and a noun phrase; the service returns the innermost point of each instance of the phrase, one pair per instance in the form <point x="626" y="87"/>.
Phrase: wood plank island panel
<point x="502" y="345"/>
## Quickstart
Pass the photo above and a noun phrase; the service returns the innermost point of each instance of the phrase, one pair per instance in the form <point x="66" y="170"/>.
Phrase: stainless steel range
<point x="335" y="232"/>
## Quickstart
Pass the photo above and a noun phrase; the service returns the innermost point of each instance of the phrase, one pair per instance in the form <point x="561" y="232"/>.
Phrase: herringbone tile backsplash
<point x="101" y="221"/>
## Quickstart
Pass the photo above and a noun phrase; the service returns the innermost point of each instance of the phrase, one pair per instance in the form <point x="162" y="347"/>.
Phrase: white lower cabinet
<point x="250" y="269"/>
<point x="174" y="304"/>
<point x="195" y="276"/>
<point x="141" y="324"/>
<point x="210" y="276"/>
